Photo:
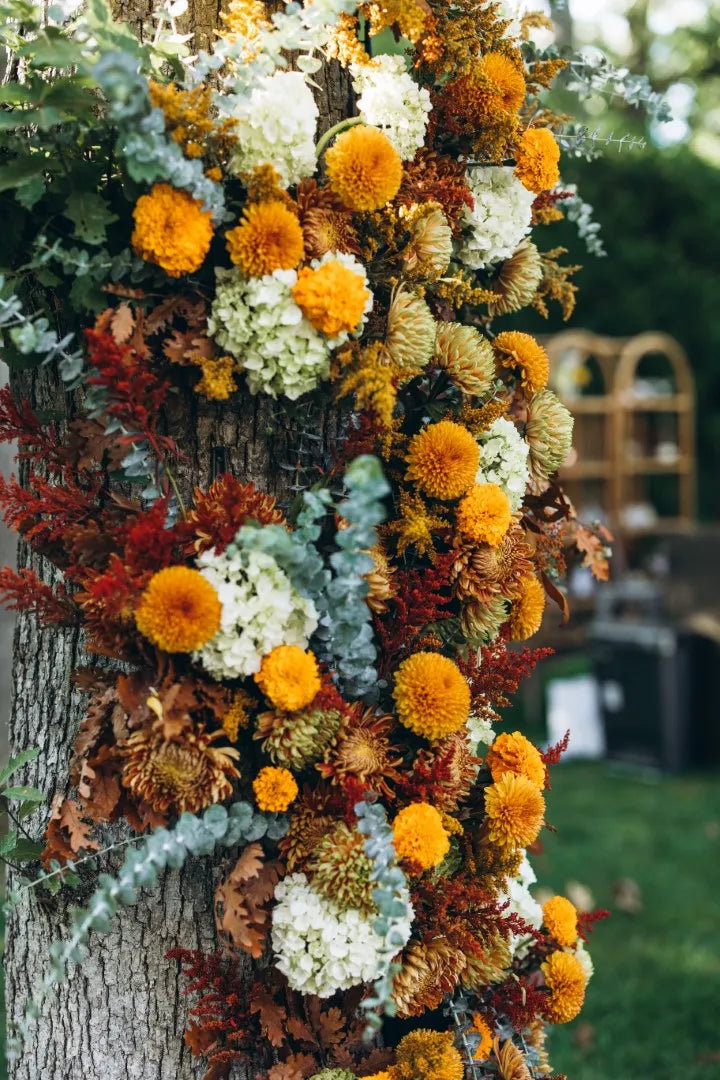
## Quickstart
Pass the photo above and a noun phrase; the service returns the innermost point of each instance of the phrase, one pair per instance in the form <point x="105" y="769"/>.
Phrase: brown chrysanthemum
<point x="489" y="964"/>
<point x="458" y="772"/>
<point x="186" y="773"/>
<point x="223" y="508"/>
<point x="381" y="588"/>
<point x="511" y="1061"/>
<point x="429" y="970"/>
<point x="485" y="573"/>
<point x="326" y="223"/>
<point x="310" y="821"/>
<point x="517" y="281"/>
<point x="363" y="751"/>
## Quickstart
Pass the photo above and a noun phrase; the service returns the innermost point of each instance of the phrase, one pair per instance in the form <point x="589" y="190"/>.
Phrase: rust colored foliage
<point x="422" y="597"/>
<point x="588" y="920"/>
<point x="499" y="672"/>
<point x="433" y="177"/>
<point x="520" y="1000"/>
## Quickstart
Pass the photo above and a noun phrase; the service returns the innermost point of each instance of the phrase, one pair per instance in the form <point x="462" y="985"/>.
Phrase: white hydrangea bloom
<point x="585" y="959"/>
<point x="277" y="123"/>
<point x="499" y="219"/>
<point x="481" y="730"/>
<point x="260" y="610"/>
<point x="522" y="903"/>
<point x="319" y="947"/>
<point x="504" y="460"/>
<point x="390" y="99"/>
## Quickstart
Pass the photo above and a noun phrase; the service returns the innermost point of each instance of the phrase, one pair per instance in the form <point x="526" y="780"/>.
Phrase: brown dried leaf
<point x="240" y="914"/>
<point x="272" y="1016"/>
<point x="122" y="324"/>
<point x="300" y="1031"/>
<point x="593" y="548"/>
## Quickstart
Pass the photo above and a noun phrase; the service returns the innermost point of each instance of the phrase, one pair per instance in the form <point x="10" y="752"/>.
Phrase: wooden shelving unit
<point x="624" y="437"/>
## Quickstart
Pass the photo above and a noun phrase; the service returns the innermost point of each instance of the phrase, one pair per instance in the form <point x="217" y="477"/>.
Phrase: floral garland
<point x="338" y="659"/>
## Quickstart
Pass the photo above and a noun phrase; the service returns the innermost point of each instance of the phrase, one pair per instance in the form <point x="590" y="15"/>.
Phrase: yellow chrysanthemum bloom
<point x="537" y="160"/>
<point x="443" y="460"/>
<point x="515" y="810"/>
<point x="523" y="353"/>
<point x="484" y="514"/>
<point x="432" y="695"/>
<point x="481" y="1027"/>
<point x="275" y="789"/>
<point x="364" y="168"/>
<point x="527" y="609"/>
<point x="506" y="78"/>
<point x="289" y="677"/>
<point x="179" y="610"/>
<point x="428" y="1055"/>
<point x="516" y="754"/>
<point x="384" y="1075"/>
<point x="565" y="977"/>
<point x="560" y="918"/>
<point x="332" y="298"/>
<point x="269" y="238"/>
<point x="419" y="836"/>
<point x="171" y="230"/>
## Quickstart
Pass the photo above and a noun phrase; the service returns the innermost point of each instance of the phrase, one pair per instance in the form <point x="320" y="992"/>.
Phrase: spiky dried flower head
<point x="310" y="820"/>
<point x="456" y="768"/>
<point x="443" y="459"/>
<point x="186" y="773"/>
<point x="490" y="965"/>
<point x="506" y="78"/>
<point x="466" y="357"/>
<point x="172" y="230"/>
<point x="527" y="609"/>
<point x="340" y="870"/>
<point x="537" y="160"/>
<point x="409" y="334"/>
<point x="515" y="811"/>
<point x="332" y="297"/>
<point x="179" y="611"/>
<point x="560" y="918"/>
<point x="298" y="739"/>
<point x="364" y="168"/>
<point x="548" y="433"/>
<point x="363" y="751"/>
<point x="484" y="514"/>
<point x="482" y="1028"/>
<point x="427" y="254"/>
<point x="289" y="677"/>
<point x="428" y="1055"/>
<point x="523" y="355"/>
<point x="484" y="573"/>
<point x="221" y="510"/>
<point x="275" y="789"/>
<point x="428" y="971"/>
<point x="326" y="222"/>
<point x="419" y="836"/>
<point x="432" y="695"/>
<point x="565" y="977"/>
<point x="482" y="621"/>
<point x="511" y="1061"/>
<point x="517" y="281"/>
<point x="381" y="587"/>
<point x="268" y="238"/>
<point x="513" y="753"/>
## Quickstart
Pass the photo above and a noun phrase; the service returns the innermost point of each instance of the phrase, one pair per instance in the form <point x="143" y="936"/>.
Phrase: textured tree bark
<point x="122" y="1015"/>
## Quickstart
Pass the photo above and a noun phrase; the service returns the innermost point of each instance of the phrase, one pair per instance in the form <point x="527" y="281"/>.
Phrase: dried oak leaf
<point x="100" y="791"/>
<point x="271" y="1015"/>
<point x="122" y="323"/>
<point x="66" y="833"/>
<point x="593" y="547"/>
<point x="240" y="912"/>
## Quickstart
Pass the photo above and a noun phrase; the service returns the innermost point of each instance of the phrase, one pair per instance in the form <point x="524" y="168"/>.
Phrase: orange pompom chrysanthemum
<point x="179" y="610"/>
<point x="289" y="677"/>
<point x="560" y="918"/>
<point x="516" y="754"/>
<point x="364" y="168"/>
<point x="275" y="789"/>
<point x="507" y="79"/>
<point x="566" y="979"/>
<point x="432" y="695"/>
<point x="515" y="809"/>
<point x="537" y="160"/>
<point x="443" y="460"/>
<point x="481" y="1027"/>
<point x="428" y="1055"/>
<point x="527" y="610"/>
<point x="522" y="352"/>
<point x="269" y="238"/>
<point x="419" y="836"/>
<point x="484" y="514"/>
<point x="332" y="297"/>
<point x="171" y="230"/>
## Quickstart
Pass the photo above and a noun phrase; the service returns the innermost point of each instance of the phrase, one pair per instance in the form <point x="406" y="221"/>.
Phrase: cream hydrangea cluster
<point x="480" y="730"/>
<point x="260" y="610"/>
<point x="521" y="902"/>
<point x="585" y="959"/>
<point x="504" y="460"/>
<point x="277" y="123"/>
<point x="321" y="948"/>
<point x="500" y="218"/>
<point x="390" y="99"/>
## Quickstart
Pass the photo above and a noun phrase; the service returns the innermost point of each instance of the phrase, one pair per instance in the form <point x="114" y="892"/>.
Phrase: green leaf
<point x="27" y="850"/>
<point x="52" y="48"/>
<point x="31" y="193"/>
<point x="8" y="842"/>
<point x="29" y="794"/>
<point x="17" y="762"/>
<point x="21" y="170"/>
<point x="90" y="214"/>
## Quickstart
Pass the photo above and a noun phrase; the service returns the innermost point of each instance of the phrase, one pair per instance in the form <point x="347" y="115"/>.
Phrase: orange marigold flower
<point x="275" y="789"/>
<point x="289" y="677"/>
<point x="484" y="514"/>
<point x="332" y="298"/>
<point x="185" y="773"/>
<point x="364" y="168"/>
<point x="527" y="610"/>
<point x="432" y="695"/>
<point x="560" y="918"/>
<point x="443" y="460"/>
<point x="269" y="238"/>
<point x="481" y="1027"/>
<point x="171" y="230"/>
<point x="179" y="610"/>
<point x="515" y="810"/>
<point x="522" y="352"/>
<point x="516" y="754"/>
<point x="565" y="977"/>
<point x="507" y="79"/>
<point x="537" y="160"/>
<point x="419" y="836"/>
<point x="428" y="1055"/>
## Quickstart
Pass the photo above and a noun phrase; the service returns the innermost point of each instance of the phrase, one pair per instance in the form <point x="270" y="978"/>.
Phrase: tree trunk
<point x="122" y="1014"/>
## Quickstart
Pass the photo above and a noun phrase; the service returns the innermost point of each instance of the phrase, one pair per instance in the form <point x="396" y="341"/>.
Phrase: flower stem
<point x="335" y="130"/>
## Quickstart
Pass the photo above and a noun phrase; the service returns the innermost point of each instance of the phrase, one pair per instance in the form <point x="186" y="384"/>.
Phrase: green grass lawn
<point x="653" y="1005"/>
